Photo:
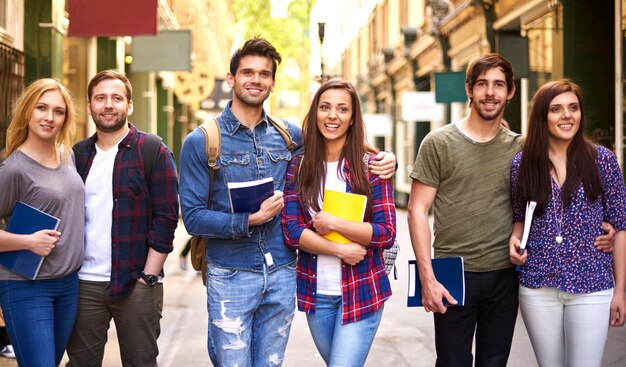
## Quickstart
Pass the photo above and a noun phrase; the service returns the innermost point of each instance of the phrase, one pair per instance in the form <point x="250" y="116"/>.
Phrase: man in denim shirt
<point x="251" y="281"/>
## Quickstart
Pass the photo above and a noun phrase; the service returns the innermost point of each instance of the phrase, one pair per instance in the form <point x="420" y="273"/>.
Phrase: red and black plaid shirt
<point x="143" y="217"/>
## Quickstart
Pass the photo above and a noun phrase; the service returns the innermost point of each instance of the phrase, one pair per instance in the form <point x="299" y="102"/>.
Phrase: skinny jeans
<point x="566" y="329"/>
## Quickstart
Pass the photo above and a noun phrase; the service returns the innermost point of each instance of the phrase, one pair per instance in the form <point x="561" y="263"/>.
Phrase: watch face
<point x="149" y="279"/>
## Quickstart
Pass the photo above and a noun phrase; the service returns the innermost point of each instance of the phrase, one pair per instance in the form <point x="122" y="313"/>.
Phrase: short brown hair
<point x="486" y="62"/>
<point x="110" y="74"/>
<point x="256" y="47"/>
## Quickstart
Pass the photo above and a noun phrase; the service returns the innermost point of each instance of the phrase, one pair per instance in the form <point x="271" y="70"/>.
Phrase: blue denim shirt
<point x="245" y="155"/>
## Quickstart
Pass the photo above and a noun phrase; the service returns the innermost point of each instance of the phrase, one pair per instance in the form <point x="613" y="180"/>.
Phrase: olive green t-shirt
<point x="472" y="207"/>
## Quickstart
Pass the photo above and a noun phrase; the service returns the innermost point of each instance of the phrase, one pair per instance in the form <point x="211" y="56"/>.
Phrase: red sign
<point x="112" y="18"/>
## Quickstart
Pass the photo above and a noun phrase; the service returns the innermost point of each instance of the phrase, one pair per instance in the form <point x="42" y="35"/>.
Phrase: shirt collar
<point x="232" y="123"/>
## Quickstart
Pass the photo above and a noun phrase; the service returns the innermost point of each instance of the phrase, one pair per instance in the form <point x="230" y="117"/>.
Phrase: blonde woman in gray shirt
<point x="38" y="170"/>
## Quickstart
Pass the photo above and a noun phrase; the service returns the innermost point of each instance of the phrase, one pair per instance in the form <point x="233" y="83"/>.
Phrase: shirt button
<point x="259" y="161"/>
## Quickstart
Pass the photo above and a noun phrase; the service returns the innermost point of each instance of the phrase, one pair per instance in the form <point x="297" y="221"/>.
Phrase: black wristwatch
<point x="150" y="279"/>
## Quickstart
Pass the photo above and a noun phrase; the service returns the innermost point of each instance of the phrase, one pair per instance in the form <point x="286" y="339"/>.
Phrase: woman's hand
<point x="323" y="223"/>
<point x="514" y="251"/>
<point x="618" y="309"/>
<point x="42" y="242"/>
<point x="351" y="253"/>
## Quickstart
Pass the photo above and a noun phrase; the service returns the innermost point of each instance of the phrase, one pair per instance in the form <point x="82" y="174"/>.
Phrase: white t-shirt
<point x="98" y="217"/>
<point x="329" y="267"/>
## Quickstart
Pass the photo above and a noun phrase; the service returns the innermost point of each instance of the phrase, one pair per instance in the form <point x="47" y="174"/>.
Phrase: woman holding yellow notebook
<point x="342" y="287"/>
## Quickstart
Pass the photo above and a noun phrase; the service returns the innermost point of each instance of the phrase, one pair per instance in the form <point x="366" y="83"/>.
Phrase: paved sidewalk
<point x="404" y="339"/>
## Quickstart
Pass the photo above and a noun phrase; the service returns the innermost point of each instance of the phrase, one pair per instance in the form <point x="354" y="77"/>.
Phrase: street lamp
<point x="320" y="33"/>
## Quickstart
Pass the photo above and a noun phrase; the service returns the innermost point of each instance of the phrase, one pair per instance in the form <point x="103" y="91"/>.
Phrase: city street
<point x="405" y="336"/>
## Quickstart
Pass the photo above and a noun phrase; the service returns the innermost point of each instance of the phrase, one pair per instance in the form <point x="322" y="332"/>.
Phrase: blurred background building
<point x="407" y="58"/>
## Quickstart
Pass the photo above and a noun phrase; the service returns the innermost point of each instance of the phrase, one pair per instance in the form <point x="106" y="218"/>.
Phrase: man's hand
<point x="433" y="294"/>
<point x="322" y="222"/>
<point x="383" y="165"/>
<point x="351" y="253"/>
<point x="605" y="242"/>
<point x="43" y="242"/>
<point x="268" y="210"/>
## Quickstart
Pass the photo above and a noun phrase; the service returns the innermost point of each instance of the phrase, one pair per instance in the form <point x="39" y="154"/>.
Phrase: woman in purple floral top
<point x="570" y="291"/>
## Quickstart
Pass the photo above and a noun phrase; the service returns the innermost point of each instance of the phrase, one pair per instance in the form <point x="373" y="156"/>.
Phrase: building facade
<point x="34" y="43"/>
<point x="408" y="46"/>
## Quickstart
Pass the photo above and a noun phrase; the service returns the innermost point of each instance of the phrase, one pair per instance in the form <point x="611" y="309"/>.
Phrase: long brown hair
<point x="312" y="170"/>
<point x="534" y="173"/>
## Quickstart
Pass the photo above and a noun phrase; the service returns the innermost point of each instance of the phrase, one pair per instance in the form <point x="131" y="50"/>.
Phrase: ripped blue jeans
<point x="250" y="315"/>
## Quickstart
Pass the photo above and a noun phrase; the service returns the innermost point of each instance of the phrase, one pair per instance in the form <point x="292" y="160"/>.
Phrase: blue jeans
<point x="341" y="345"/>
<point x="39" y="315"/>
<point x="250" y="315"/>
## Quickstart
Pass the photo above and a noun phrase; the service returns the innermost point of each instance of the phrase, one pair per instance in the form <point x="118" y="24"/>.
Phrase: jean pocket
<point x="216" y="272"/>
<point x="292" y="265"/>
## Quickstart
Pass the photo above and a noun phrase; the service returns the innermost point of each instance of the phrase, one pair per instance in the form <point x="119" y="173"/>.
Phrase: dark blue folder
<point x="247" y="197"/>
<point x="448" y="271"/>
<point x="26" y="220"/>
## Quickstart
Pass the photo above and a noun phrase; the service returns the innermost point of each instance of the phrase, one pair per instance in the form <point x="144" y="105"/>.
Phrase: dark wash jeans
<point x="39" y="316"/>
<point x="491" y="300"/>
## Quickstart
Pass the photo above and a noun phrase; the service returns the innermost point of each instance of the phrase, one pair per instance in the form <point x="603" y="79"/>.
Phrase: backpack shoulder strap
<point x="283" y="129"/>
<point x="213" y="146"/>
<point x="213" y="142"/>
<point x="81" y="147"/>
<point x="150" y="152"/>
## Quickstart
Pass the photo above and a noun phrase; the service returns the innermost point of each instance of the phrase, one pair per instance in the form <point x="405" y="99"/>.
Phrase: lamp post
<point x="320" y="32"/>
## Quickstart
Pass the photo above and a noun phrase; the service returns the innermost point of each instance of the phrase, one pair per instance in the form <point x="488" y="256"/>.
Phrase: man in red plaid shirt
<point x="129" y="230"/>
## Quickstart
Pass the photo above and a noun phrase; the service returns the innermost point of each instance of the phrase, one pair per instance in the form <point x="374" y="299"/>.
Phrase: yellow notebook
<point x="343" y="205"/>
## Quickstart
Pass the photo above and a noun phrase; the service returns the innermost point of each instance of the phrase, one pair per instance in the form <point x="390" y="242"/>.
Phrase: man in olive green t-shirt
<point x="462" y="171"/>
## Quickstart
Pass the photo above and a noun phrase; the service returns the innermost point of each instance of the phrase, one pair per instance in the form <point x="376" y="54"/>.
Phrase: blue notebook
<point x="26" y="220"/>
<point x="247" y="197"/>
<point x="449" y="272"/>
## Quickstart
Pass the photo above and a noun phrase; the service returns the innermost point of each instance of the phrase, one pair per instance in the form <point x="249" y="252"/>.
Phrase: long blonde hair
<point x="17" y="131"/>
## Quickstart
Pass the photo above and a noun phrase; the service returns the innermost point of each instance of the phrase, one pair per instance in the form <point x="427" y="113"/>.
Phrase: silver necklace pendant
<point x="559" y="239"/>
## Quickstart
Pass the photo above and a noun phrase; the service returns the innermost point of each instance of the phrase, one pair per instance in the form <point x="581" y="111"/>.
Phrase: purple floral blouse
<point x="575" y="265"/>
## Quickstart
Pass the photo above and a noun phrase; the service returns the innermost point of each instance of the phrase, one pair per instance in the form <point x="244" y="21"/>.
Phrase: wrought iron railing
<point x="11" y="85"/>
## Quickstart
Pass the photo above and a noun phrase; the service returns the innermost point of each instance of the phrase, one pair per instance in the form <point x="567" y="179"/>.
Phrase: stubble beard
<point x="109" y="128"/>
<point x="249" y="100"/>
<point x="489" y="116"/>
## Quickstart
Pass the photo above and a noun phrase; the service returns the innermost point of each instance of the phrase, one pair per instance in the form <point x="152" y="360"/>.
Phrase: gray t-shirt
<point x="472" y="208"/>
<point x="56" y="191"/>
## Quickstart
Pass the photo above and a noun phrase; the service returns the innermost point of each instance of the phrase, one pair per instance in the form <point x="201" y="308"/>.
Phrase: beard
<point x="488" y="115"/>
<point x="110" y="126"/>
